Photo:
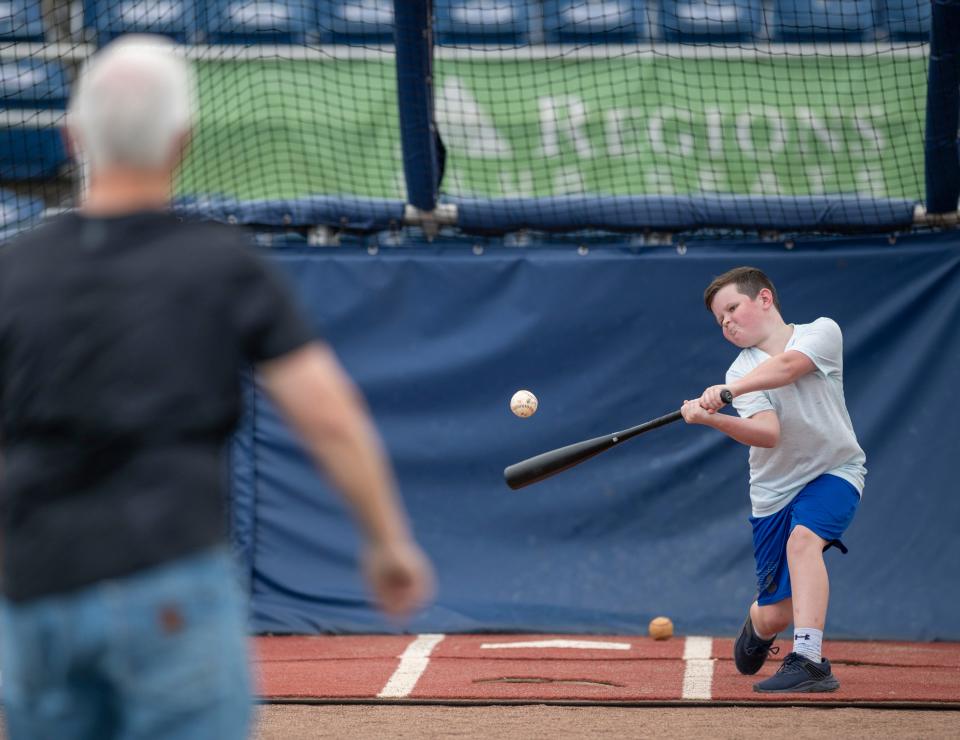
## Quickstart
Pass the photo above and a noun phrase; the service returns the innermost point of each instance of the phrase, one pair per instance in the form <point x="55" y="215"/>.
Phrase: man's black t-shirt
<point x="121" y="344"/>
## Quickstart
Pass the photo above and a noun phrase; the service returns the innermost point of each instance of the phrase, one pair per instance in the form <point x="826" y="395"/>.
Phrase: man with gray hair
<point x="122" y="333"/>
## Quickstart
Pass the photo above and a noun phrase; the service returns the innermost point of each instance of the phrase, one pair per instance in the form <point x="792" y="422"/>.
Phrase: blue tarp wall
<point x="439" y="337"/>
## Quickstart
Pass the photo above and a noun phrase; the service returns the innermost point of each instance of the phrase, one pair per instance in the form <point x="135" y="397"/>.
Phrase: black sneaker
<point x="749" y="651"/>
<point x="799" y="675"/>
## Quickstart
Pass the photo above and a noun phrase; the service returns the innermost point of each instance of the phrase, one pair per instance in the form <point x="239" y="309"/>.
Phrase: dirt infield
<point x="298" y="722"/>
<point x="303" y="722"/>
<point x="536" y="722"/>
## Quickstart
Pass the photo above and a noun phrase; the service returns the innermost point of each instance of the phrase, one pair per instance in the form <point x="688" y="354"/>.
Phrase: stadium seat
<point x="33" y="95"/>
<point x="32" y="83"/>
<point x="30" y="148"/>
<point x="356" y="21"/>
<point x="482" y="21"/>
<point x="258" y="21"/>
<point x="21" y="20"/>
<point x="823" y="20"/>
<point x="706" y="21"/>
<point x="111" y="18"/>
<point x="594" y="21"/>
<point x="906" y="20"/>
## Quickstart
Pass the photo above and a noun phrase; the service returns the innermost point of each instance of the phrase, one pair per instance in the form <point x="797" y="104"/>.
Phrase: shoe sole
<point x="823" y="686"/>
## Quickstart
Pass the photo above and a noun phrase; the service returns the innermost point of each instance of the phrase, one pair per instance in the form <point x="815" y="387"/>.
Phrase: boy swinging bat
<point x="806" y="468"/>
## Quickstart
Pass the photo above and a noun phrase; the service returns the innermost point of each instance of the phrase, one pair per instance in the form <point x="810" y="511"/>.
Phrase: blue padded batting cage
<point x="476" y="196"/>
<point x="439" y="338"/>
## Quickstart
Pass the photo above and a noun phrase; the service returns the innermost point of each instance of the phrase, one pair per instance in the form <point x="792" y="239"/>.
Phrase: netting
<point x="533" y="98"/>
<point x="789" y="98"/>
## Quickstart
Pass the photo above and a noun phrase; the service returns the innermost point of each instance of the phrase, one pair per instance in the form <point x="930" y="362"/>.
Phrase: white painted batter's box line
<point x="557" y="644"/>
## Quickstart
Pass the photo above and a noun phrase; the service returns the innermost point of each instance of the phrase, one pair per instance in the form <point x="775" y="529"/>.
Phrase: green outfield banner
<point x="791" y="125"/>
<point x="282" y="129"/>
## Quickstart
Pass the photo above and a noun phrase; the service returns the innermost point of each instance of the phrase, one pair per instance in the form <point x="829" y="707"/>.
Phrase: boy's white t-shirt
<point x="816" y="435"/>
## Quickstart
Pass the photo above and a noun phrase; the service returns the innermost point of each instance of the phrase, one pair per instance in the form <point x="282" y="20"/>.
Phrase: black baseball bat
<point x="535" y="469"/>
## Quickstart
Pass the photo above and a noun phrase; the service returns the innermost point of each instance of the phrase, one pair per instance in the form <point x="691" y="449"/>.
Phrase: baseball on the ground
<point x="523" y="404"/>
<point x="661" y="628"/>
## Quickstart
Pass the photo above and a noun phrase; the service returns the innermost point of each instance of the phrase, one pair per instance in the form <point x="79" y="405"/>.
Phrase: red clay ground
<point x="619" y="670"/>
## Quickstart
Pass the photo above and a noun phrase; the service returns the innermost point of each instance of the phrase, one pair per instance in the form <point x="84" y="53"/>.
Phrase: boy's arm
<point x="760" y="430"/>
<point x="778" y="371"/>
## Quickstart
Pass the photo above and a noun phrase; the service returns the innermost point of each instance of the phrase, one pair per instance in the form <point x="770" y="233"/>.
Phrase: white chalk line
<point x="698" y="668"/>
<point x="413" y="662"/>
<point x="558" y="644"/>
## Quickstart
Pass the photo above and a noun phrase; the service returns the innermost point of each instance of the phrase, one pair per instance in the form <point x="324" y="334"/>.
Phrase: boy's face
<point x="743" y="319"/>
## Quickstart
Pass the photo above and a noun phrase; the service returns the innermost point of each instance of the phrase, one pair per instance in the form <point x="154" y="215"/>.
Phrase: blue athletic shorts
<point x="825" y="506"/>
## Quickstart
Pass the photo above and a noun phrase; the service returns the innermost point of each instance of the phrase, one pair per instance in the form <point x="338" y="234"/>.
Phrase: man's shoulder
<point x="159" y="241"/>
<point x="212" y="233"/>
<point x="63" y="227"/>
<point x="208" y="243"/>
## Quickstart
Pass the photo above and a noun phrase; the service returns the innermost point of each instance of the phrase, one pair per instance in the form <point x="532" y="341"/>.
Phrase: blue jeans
<point x="159" y="654"/>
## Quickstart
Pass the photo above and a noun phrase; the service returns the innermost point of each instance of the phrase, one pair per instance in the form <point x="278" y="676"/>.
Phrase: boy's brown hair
<point x="749" y="281"/>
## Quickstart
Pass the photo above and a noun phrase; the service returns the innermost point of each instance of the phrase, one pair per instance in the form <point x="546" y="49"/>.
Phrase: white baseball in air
<point x="524" y="404"/>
